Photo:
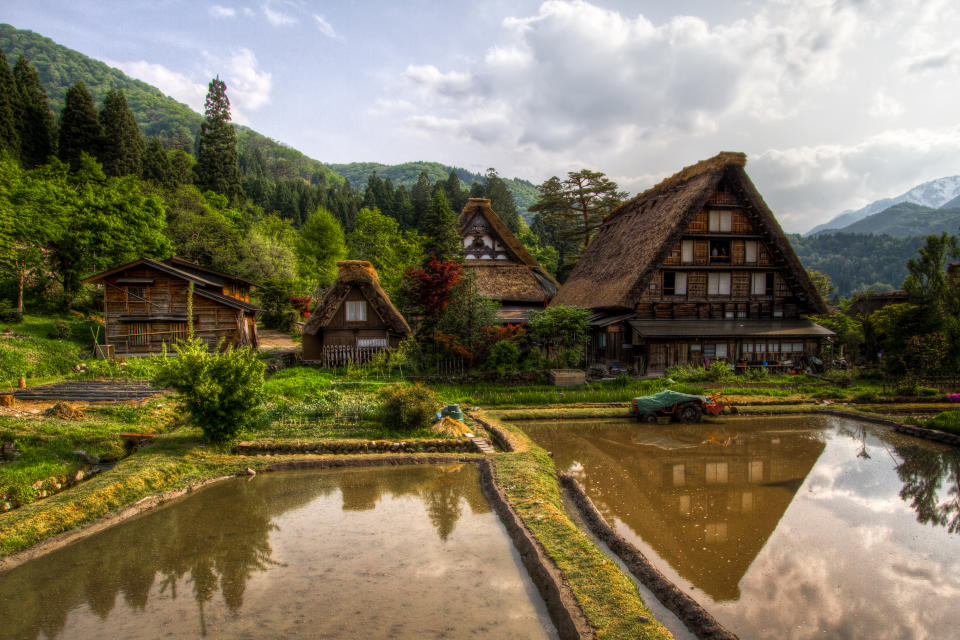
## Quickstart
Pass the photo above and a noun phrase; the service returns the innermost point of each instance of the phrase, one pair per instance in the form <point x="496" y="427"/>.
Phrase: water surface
<point x="794" y="527"/>
<point x="399" y="552"/>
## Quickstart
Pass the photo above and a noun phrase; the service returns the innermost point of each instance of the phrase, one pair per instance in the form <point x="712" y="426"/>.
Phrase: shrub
<point x="757" y="374"/>
<point x="504" y="356"/>
<point x="59" y="331"/>
<point x="928" y="391"/>
<point x="405" y="407"/>
<point x="946" y="421"/>
<point x="720" y="371"/>
<point x="222" y="392"/>
<point x="9" y="313"/>
<point x="866" y="396"/>
<point x="622" y="380"/>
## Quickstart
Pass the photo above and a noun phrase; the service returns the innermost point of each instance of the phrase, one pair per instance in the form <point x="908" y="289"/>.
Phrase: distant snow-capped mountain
<point x="933" y="194"/>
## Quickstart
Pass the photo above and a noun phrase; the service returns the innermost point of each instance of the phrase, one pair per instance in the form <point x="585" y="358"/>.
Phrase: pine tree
<point x="420" y="197"/>
<point x="440" y="229"/>
<point x="35" y="126"/>
<point x="156" y="164"/>
<point x="501" y="200"/>
<point x="455" y="193"/>
<point x="122" y="147"/>
<point x="79" y="126"/>
<point x="579" y="203"/>
<point x="9" y="137"/>
<point x="217" y="168"/>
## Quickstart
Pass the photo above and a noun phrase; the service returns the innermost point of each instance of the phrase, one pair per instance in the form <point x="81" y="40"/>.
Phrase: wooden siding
<point x="142" y="322"/>
<point x="340" y="332"/>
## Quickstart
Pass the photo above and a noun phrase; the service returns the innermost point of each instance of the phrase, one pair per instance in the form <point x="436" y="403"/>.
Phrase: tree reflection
<point x="216" y="540"/>
<point x="923" y="473"/>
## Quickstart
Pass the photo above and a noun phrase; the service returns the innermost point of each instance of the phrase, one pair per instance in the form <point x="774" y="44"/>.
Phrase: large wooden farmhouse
<point x="505" y="270"/>
<point x="145" y="306"/>
<point x="692" y="271"/>
<point x="354" y="319"/>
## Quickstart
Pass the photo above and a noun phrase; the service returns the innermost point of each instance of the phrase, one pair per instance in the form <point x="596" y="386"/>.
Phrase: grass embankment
<point x="31" y="352"/>
<point x="948" y="421"/>
<point x="42" y="458"/>
<point x="609" y="598"/>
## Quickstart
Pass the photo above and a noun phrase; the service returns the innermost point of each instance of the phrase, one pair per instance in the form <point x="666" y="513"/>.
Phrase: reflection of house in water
<point x="706" y="509"/>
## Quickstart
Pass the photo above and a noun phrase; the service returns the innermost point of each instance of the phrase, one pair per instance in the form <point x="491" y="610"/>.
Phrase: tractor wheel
<point x="650" y="418"/>
<point x="690" y="413"/>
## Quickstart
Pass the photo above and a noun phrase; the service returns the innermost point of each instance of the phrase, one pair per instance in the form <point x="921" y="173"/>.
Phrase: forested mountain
<point x="60" y="68"/>
<point x="855" y="261"/>
<point x="908" y="219"/>
<point x="935" y="193"/>
<point x="524" y="192"/>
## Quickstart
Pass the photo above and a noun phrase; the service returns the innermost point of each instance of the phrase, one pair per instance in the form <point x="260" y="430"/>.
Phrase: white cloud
<point x="325" y="27"/>
<point x="278" y="18"/>
<point x="247" y="11"/>
<point x="177" y="85"/>
<point x="885" y="106"/>
<point x="248" y="88"/>
<point x="218" y="12"/>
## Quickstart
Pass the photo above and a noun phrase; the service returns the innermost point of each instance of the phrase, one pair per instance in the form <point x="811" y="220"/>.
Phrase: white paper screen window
<point x="371" y="342"/>
<point x="718" y="284"/>
<point x="750" y="251"/>
<point x="356" y="311"/>
<point x="680" y="284"/>
<point x="720" y="221"/>
<point x="759" y="284"/>
<point x="686" y="252"/>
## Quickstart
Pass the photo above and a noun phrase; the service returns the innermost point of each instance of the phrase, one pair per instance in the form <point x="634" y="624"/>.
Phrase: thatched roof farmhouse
<point x="505" y="270"/>
<point x="693" y="270"/>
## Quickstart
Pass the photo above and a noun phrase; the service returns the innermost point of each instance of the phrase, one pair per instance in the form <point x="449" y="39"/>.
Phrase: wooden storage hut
<point x="145" y="306"/>
<point x="505" y="270"/>
<point x="693" y="271"/>
<point x="354" y="319"/>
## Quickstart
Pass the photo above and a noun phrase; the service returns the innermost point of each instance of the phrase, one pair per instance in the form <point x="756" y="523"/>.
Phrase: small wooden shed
<point x="145" y="306"/>
<point x="354" y="319"/>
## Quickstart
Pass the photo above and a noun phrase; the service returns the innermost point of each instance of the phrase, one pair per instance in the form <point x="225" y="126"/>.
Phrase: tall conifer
<point x="156" y="164"/>
<point x="217" y="168"/>
<point x="9" y="137"/>
<point x="35" y="124"/>
<point x="122" y="148"/>
<point x="440" y="228"/>
<point x="79" y="126"/>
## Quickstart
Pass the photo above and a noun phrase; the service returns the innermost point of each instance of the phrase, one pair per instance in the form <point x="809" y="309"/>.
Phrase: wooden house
<point x="692" y="271"/>
<point x="354" y="319"/>
<point x="866" y="303"/>
<point x="145" y="306"/>
<point x="505" y="270"/>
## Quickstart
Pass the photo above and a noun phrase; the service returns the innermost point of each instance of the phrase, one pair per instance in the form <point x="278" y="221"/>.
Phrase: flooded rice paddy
<point x="399" y="552"/>
<point x="794" y="527"/>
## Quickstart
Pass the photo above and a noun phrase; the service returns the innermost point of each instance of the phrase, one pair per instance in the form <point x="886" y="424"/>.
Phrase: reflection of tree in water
<point x="218" y="539"/>
<point x="441" y="489"/>
<point x="923" y="472"/>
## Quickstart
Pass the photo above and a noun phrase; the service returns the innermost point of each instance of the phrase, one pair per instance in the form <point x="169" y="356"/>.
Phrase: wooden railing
<point x="340" y="355"/>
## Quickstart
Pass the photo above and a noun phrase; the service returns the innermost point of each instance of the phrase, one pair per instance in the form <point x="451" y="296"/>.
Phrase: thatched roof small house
<point x="505" y="270"/>
<point x="702" y="248"/>
<point x="354" y="318"/>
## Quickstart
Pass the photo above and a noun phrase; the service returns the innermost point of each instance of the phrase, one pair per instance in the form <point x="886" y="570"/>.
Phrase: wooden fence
<point x="339" y="355"/>
<point x="450" y="367"/>
<point x="943" y="383"/>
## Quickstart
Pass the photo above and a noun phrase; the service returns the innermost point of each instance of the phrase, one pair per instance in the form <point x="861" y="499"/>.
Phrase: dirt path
<point x="273" y="339"/>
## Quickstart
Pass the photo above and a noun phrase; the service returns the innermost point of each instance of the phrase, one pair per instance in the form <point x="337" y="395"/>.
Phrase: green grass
<point x="46" y="446"/>
<point x="36" y="355"/>
<point x="503" y="395"/>
<point x="948" y="421"/>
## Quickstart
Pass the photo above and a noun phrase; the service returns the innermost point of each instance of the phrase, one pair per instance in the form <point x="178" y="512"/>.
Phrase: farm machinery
<point x="679" y="407"/>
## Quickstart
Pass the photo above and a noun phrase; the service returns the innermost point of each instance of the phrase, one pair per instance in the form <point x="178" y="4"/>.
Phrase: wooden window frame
<point x="356" y="311"/>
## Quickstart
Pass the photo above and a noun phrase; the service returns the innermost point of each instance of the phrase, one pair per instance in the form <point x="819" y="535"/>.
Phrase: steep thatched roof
<point x="636" y="238"/>
<point x="358" y="274"/>
<point x="520" y="279"/>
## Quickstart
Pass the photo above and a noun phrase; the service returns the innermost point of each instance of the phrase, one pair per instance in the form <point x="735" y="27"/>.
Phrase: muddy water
<point x="401" y="552"/>
<point x="783" y="527"/>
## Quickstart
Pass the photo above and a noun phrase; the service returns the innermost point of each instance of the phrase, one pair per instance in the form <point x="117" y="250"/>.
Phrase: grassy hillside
<point x="908" y="219"/>
<point x="524" y="192"/>
<point x="60" y="68"/>
<point x="855" y="260"/>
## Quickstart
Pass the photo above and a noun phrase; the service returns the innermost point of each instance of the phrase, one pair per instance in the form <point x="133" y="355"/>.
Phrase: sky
<point x="836" y="102"/>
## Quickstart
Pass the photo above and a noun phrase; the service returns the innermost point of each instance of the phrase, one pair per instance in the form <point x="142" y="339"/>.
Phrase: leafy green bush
<point x="946" y="421"/>
<point x="9" y="313"/>
<point x="866" y="396"/>
<point x="928" y="391"/>
<point x="222" y="391"/>
<point x="757" y="374"/>
<point x="405" y="407"/>
<point x="622" y="380"/>
<point x="504" y="356"/>
<point x="59" y="331"/>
